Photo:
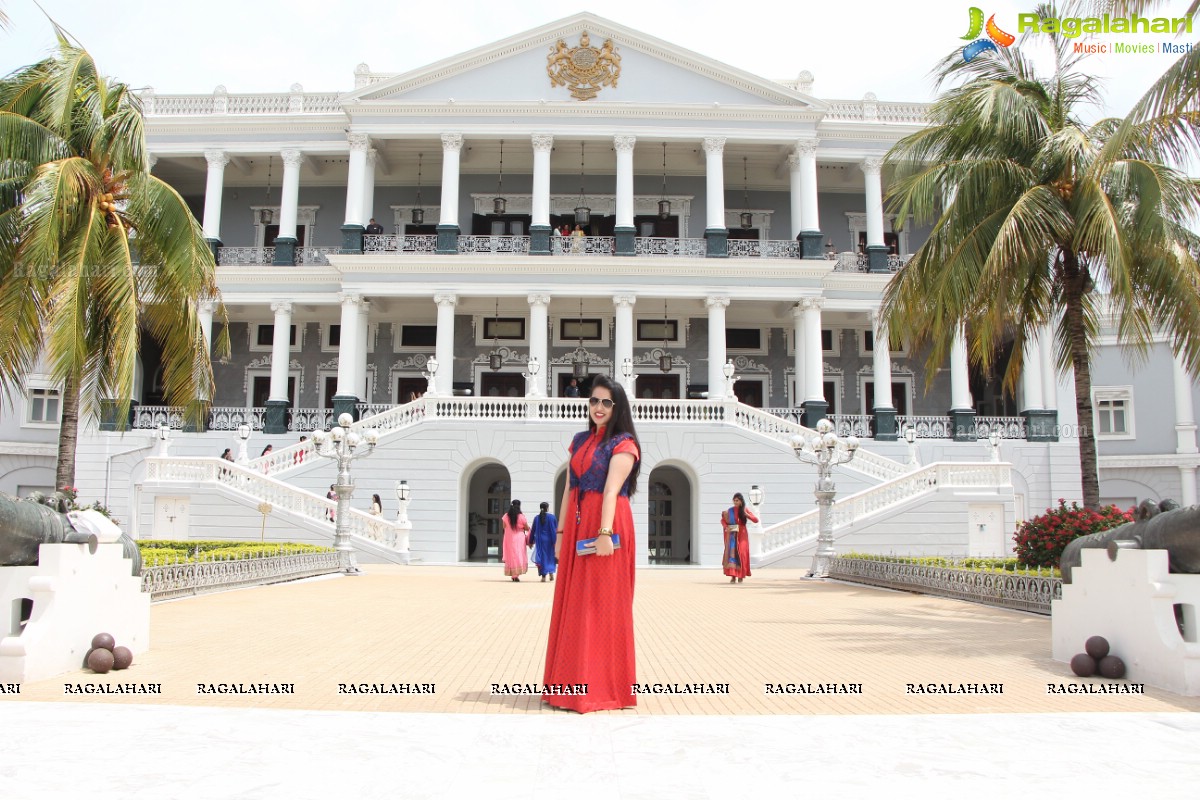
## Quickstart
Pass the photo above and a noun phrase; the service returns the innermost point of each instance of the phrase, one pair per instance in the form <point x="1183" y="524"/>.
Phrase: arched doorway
<point x="488" y="496"/>
<point x="669" y="517"/>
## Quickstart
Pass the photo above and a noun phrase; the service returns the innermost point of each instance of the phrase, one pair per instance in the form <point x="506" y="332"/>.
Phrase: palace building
<point x="442" y="252"/>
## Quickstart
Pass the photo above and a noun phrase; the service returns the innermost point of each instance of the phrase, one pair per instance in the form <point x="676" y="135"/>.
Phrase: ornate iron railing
<point x="661" y="246"/>
<point x="309" y="419"/>
<point x="493" y="244"/>
<point x="389" y="243"/>
<point x="771" y="248"/>
<point x="245" y="256"/>
<point x="166" y="581"/>
<point x="889" y="494"/>
<point x="926" y="427"/>
<point x="1007" y="427"/>
<point x="850" y="262"/>
<point x="1005" y="589"/>
<point x="308" y="256"/>
<point x="151" y="417"/>
<point x="583" y="245"/>
<point x="852" y="425"/>
<point x="790" y="413"/>
<point x="228" y="419"/>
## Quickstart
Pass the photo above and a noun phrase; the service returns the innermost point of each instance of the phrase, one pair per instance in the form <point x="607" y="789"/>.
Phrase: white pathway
<point x="102" y="750"/>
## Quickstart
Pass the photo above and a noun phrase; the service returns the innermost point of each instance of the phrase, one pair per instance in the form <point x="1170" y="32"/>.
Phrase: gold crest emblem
<point x="584" y="69"/>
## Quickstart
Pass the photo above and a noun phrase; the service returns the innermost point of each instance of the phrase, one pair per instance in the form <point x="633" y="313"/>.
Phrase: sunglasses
<point x="604" y="401"/>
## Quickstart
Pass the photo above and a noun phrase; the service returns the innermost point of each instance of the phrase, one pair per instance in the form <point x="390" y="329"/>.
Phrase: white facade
<point x="358" y="317"/>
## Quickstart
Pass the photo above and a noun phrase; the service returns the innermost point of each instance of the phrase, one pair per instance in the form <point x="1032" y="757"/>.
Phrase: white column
<point x="290" y="199"/>
<point x="280" y="351"/>
<point x="882" y="366"/>
<point x="1031" y="374"/>
<point x="539" y="316"/>
<point x="360" y="351"/>
<point x="796" y="193"/>
<point x="451" y="148"/>
<point x="1185" y="431"/>
<point x="810" y="216"/>
<point x="624" y="147"/>
<point x="445" y="342"/>
<point x="623" y="338"/>
<point x="347" y="358"/>
<point x="543" y="144"/>
<point x="873" y="196"/>
<point x="716" y="346"/>
<point x="714" y="150"/>
<point x="217" y="159"/>
<point x="960" y="384"/>
<point x="205" y="310"/>
<point x="814" y="362"/>
<point x="368" y="207"/>
<point x="359" y="144"/>
<point x="1049" y="371"/>
<point x="798" y="331"/>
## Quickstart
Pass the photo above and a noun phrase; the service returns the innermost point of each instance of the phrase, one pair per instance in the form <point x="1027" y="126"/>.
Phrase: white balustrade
<point x="309" y="256"/>
<point x="771" y="248"/>
<point x="493" y="244"/>
<point x="583" y="245"/>
<point x="247" y="104"/>
<point x="390" y="243"/>
<point x="662" y="246"/>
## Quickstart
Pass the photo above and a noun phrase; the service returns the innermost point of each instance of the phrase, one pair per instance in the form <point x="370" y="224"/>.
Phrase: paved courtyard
<point x="458" y="630"/>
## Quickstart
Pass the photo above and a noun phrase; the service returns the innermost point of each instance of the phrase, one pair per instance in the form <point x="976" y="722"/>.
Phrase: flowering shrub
<point x="1041" y="540"/>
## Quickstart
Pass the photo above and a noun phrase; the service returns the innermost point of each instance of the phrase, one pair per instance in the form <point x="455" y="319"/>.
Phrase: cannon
<point x="1158" y="526"/>
<point x="25" y="525"/>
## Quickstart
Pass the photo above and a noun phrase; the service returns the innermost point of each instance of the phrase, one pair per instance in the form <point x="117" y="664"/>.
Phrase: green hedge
<point x="974" y="564"/>
<point x="162" y="551"/>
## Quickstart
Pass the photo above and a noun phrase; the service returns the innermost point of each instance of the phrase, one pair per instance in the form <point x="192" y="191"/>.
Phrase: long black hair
<point x="514" y="511"/>
<point x="741" y="510"/>
<point x="542" y="514"/>
<point x="621" y="422"/>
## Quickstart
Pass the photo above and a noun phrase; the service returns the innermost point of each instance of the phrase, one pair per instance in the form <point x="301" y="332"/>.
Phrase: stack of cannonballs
<point x="105" y="655"/>
<point x="1097" y="659"/>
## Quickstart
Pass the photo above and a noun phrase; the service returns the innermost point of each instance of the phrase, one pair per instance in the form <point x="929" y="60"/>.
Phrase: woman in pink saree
<point x="516" y="535"/>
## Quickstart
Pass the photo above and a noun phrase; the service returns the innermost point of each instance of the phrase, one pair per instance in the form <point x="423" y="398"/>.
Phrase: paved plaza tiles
<point x="778" y="687"/>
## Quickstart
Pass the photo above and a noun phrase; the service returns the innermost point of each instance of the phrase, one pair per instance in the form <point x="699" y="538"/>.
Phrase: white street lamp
<point x="430" y="376"/>
<point x="730" y="379"/>
<point x="342" y="444"/>
<point x="826" y="450"/>
<point x="994" y="441"/>
<point x="910" y="436"/>
<point x="534" y="388"/>
<point x="164" y="440"/>
<point x="243" y="432"/>
<point x="403" y="524"/>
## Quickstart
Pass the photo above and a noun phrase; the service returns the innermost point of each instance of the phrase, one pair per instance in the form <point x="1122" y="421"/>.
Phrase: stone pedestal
<point x="1041" y="425"/>
<point x="539" y="240"/>
<point x="214" y="245"/>
<point x="75" y="593"/>
<point x="717" y="242"/>
<point x="275" y="418"/>
<point x="883" y="425"/>
<point x="877" y="258"/>
<point x="447" y="239"/>
<point x="345" y="404"/>
<point x="352" y="239"/>
<point x="962" y="423"/>
<point x="285" y="252"/>
<point x="1147" y="614"/>
<point x="814" y="412"/>
<point x="626" y="241"/>
<point x="810" y="245"/>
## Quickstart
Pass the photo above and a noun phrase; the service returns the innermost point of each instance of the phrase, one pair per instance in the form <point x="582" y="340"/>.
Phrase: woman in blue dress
<point x="541" y="537"/>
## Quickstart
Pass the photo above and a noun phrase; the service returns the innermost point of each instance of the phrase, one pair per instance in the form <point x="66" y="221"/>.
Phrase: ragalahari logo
<point x="995" y="36"/>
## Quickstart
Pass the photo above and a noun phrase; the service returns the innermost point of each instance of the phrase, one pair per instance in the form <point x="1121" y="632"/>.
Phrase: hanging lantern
<point x="499" y="204"/>
<point x="418" y="213"/>
<point x="664" y="205"/>
<point x="583" y="214"/>
<point x="746" y="218"/>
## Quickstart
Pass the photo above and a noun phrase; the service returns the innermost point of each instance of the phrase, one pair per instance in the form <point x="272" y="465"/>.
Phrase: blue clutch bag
<point x="587" y="547"/>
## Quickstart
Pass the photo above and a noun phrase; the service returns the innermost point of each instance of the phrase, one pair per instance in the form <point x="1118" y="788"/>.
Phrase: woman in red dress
<point x="737" y="540"/>
<point x="591" y="627"/>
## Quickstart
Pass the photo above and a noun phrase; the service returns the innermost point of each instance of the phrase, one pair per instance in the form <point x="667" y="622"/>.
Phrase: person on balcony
<point x="374" y="228"/>
<point x="737" y="539"/>
<point x="577" y="239"/>
<point x="572" y="389"/>
<point x="541" y="538"/>
<point x="591" y="626"/>
<point x="516" y="532"/>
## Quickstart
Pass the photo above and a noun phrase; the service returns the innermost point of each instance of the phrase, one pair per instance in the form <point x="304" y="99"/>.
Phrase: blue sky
<point x="851" y="47"/>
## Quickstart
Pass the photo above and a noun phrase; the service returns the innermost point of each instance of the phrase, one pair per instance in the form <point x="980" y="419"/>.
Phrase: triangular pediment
<point x="555" y="64"/>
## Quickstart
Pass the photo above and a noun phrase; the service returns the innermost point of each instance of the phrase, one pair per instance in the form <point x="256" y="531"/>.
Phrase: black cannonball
<point x="103" y="640"/>
<point x="1112" y="667"/>
<point x="101" y="660"/>
<point x="1083" y="665"/>
<point x="122" y="657"/>
<point x="1096" y="647"/>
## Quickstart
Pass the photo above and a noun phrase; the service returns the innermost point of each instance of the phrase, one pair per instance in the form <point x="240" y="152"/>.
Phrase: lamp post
<point x="994" y="441"/>
<point x="430" y="376"/>
<point x="164" y="440"/>
<point x="910" y="436"/>
<point x="403" y="524"/>
<point x="533" y="388"/>
<point x="629" y="376"/>
<point x="826" y="450"/>
<point x="754" y="498"/>
<point x="342" y="444"/>
<point x="243" y="432"/>
<point x="730" y="379"/>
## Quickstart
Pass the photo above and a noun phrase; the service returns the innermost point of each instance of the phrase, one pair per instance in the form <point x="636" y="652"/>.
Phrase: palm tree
<point x="1032" y="209"/>
<point x="94" y="249"/>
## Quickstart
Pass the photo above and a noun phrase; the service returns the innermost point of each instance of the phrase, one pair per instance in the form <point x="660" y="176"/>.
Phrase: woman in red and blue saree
<point x="737" y="540"/>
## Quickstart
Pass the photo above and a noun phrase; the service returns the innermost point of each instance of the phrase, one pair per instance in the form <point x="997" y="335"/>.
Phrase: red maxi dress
<point x="591" y="626"/>
<point x="739" y="565"/>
